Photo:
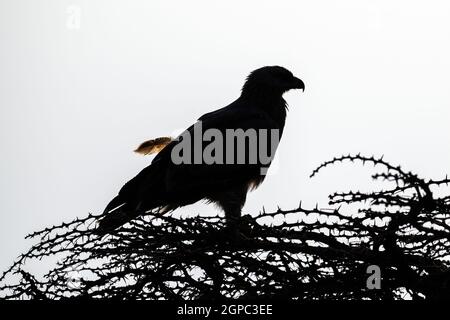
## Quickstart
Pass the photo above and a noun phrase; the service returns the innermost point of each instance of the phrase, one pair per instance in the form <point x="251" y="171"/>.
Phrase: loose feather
<point x="153" y="146"/>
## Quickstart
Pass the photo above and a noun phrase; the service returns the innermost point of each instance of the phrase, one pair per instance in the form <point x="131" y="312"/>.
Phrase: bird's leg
<point x="232" y="215"/>
<point x="234" y="226"/>
<point x="232" y="203"/>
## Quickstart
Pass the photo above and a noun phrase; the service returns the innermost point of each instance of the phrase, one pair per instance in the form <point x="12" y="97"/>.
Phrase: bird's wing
<point x="164" y="182"/>
<point x="200" y="176"/>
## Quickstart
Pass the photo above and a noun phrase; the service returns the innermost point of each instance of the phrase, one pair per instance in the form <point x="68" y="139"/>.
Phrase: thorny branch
<point x="299" y="253"/>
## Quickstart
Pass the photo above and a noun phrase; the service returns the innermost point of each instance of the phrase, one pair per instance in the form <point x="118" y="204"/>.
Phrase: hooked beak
<point x="298" y="84"/>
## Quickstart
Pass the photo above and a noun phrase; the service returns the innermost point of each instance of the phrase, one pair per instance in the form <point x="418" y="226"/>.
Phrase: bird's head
<point x="271" y="80"/>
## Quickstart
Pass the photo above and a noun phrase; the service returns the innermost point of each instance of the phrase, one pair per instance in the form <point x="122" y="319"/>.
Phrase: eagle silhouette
<point x="165" y="185"/>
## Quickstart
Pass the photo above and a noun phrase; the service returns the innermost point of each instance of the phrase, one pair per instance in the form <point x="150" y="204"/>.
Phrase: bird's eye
<point x="286" y="76"/>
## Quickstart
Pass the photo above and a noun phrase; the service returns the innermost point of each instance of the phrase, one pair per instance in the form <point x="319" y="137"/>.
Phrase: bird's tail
<point x="116" y="213"/>
<point x="131" y="202"/>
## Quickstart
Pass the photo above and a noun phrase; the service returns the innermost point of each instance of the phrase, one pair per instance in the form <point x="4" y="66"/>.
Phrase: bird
<point x="166" y="185"/>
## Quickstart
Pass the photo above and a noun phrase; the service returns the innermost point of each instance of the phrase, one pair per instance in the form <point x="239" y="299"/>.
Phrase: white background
<point x="76" y="102"/>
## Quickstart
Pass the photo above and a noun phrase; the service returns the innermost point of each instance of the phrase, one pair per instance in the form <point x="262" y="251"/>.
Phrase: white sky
<point x="76" y="102"/>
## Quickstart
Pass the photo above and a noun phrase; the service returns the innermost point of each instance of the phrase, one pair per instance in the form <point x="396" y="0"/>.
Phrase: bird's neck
<point x="273" y="104"/>
<point x="266" y="99"/>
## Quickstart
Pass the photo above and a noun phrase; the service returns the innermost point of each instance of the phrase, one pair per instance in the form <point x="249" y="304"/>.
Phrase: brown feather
<point x="153" y="146"/>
